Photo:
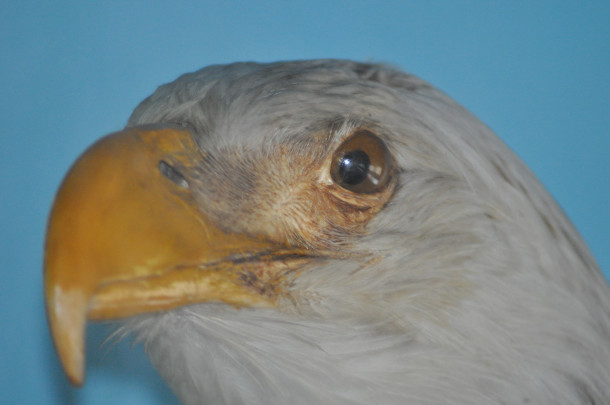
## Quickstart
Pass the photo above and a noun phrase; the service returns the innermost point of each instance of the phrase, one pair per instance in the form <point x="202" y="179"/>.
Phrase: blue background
<point x="537" y="72"/>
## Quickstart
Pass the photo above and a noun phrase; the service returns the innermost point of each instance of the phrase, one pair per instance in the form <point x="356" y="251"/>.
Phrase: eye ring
<point x="361" y="163"/>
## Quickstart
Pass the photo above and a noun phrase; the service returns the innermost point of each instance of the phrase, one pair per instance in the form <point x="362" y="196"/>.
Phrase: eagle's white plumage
<point x="469" y="286"/>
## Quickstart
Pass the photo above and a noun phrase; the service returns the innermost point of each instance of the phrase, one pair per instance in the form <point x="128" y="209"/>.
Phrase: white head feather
<point x="478" y="289"/>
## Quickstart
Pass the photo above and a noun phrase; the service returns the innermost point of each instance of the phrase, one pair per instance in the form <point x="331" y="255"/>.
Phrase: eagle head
<point x="325" y="232"/>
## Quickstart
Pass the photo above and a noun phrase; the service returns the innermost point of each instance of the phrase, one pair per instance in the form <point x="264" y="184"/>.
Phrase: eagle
<point x="325" y="232"/>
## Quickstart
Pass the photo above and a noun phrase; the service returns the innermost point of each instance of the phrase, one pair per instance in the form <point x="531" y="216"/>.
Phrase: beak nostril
<point x="171" y="173"/>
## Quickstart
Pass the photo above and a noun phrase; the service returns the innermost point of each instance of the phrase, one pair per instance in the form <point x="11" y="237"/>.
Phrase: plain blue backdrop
<point x="538" y="73"/>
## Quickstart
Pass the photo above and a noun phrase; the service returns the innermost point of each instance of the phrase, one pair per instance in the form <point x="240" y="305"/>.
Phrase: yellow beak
<point x="124" y="239"/>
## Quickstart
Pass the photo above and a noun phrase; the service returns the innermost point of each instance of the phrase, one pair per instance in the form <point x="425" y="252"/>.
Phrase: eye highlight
<point x="361" y="164"/>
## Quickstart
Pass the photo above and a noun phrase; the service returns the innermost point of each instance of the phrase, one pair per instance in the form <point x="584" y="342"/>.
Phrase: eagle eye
<point x="361" y="163"/>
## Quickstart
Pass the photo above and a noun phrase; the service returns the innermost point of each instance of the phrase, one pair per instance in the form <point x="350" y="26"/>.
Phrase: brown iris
<point x="361" y="164"/>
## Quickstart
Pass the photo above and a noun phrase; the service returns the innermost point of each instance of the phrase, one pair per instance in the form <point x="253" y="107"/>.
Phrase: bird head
<point x="328" y="231"/>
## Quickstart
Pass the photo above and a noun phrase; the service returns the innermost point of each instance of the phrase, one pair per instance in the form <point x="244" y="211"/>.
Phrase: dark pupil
<point x="354" y="167"/>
